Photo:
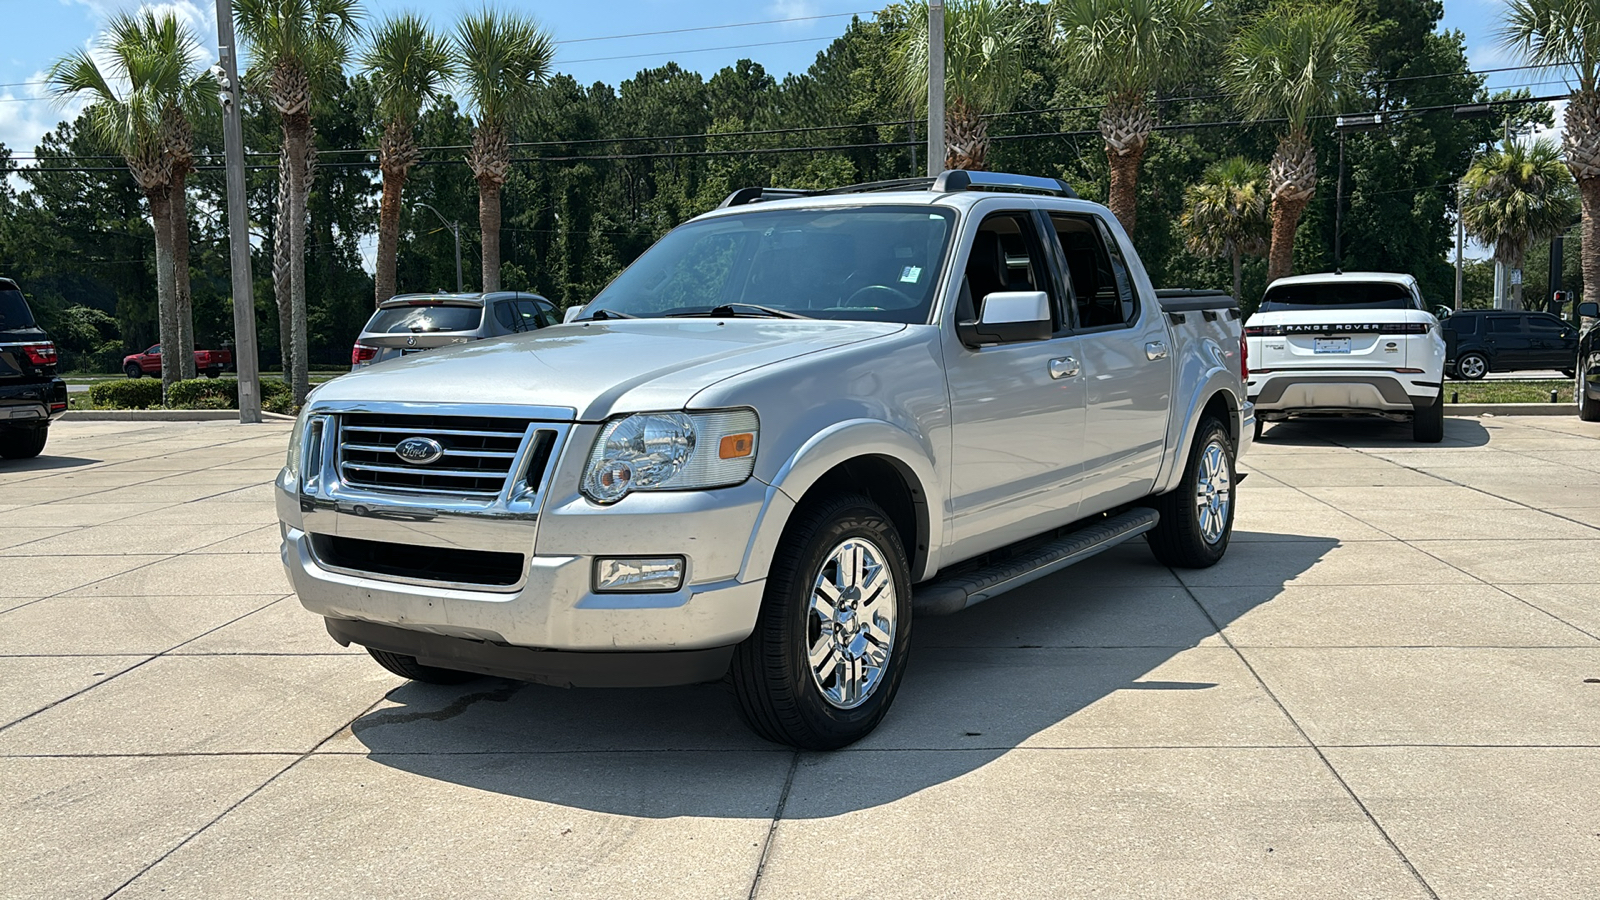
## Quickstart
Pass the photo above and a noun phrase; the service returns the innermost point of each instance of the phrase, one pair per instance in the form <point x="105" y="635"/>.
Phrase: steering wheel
<point x="881" y="296"/>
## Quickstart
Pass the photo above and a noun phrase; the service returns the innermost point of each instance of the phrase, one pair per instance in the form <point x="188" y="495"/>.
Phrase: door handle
<point x="1155" y="350"/>
<point x="1064" y="367"/>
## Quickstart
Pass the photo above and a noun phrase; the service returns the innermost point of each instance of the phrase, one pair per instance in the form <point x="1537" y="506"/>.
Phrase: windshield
<point x="874" y="263"/>
<point x="1343" y="295"/>
<point x="14" y="312"/>
<point x="406" y="319"/>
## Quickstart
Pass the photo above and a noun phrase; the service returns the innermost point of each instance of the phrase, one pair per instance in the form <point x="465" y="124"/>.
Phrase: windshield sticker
<point x="910" y="274"/>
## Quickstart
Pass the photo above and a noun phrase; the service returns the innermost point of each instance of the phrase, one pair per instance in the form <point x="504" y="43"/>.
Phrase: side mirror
<point x="1009" y="317"/>
<point x="572" y="313"/>
<point x="1590" y="310"/>
<point x="1442" y="312"/>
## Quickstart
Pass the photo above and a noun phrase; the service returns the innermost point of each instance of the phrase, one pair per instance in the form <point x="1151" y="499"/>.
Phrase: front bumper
<point x="1358" y="390"/>
<point x="32" y="403"/>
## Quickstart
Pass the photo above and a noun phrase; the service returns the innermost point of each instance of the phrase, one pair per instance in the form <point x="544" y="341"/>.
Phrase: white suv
<point x="1351" y="343"/>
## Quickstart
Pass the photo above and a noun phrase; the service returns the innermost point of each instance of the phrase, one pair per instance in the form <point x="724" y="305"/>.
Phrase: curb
<point x="1511" y="409"/>
<point x="164" y="415"/>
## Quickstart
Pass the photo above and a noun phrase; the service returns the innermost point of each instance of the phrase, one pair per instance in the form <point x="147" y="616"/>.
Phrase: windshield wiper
<point x="603" y="314"/>
<point x="732" y="309"/>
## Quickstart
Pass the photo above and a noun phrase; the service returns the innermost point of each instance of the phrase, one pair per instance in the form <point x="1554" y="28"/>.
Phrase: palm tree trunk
<point x="396" y="152"/>
<point x="1126" y="127"/>
<point x="161" y="217"/>
<point x="1518" y="257"/>
<point x="1238" y="274"/>
<point x="966" y="137"/>
<point x="1589" y="191"/>
<point x="281" y="292"/>
<point x="184" y="303"/>
<point x="490" y="161"/>
<point x="1292" y="177"/>
<point x="297" y="139"/>
<point x="489" y="225"/>
<point x="1581" y="148"/>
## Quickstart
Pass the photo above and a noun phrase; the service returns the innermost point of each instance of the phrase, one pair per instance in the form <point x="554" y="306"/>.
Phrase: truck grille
<point x="477" y="458"/>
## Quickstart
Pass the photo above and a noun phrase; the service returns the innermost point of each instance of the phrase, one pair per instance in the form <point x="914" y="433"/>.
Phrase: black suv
<point x="1497" y="341"/>
<point x="30" y="393"/>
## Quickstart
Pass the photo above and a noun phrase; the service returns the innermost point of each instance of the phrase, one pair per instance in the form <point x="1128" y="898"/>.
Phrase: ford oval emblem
<point x="419" y="451"/>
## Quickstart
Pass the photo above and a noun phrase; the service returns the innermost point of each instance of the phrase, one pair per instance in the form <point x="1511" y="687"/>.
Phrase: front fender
<point x="833" y="446"/>
<point x="1217" y="381"/>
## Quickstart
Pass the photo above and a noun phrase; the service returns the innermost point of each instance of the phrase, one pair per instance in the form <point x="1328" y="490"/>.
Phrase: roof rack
<point x="950" y="181"/>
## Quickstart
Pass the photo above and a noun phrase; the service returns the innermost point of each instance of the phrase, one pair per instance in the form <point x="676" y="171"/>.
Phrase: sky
<point x="607" y="41"/>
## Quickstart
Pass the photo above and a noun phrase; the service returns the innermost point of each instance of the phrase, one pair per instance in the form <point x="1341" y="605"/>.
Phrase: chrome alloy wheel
<point x="850" y="626"/>
<point x="1473" y="367"/>
<point x="1213" y="492"/>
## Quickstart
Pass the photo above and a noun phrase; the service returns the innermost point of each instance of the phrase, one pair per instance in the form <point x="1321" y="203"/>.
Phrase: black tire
<point x="408" y="667"/>
<point x="1472" y="366"/>
<point x="23" y="443"/>
<point x="132" y="370"/>
<point x="1427" y="424"/>
<point x="1261" y="427"/>
<point x="212" y="373"/>
<point x="1569" y="373"/>
<point x="1179" y="539"/>
<point x="1588" y="410"/>
<point x="777" y="693"/>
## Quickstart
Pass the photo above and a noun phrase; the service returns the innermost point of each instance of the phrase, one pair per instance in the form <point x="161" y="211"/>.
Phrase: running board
<point x="953" y="592"/>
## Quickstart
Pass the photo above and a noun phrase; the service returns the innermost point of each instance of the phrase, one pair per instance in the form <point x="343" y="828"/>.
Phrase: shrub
<point x="130" y="393"/>
<point x="223" y="393"/>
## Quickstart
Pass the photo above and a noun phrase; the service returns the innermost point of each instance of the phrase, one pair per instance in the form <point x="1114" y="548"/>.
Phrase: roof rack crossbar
<point x="950" y="181"/>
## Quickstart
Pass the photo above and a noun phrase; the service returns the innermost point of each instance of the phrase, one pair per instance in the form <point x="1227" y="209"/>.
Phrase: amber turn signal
<point x="737" y="446"/>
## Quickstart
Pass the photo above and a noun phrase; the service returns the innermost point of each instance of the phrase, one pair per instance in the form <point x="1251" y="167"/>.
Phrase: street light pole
<point x="455" y="229"/>
<point x="245" y="362"/>
<point x="935" y="87"/>
<point x="1461" y="240"/>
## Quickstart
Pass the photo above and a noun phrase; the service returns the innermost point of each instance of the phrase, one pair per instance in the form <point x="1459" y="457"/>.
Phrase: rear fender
<point x="830" y="448"/>
<point x="1218" y="382"/>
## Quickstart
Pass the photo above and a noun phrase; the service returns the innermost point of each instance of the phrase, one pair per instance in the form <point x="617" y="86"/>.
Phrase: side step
<point x="952" y="592"/>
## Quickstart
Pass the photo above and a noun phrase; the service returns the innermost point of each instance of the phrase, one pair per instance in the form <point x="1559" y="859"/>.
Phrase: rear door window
<point x="506" y="314"/>
<point x="1103" y="295"/>
<point x="1505" y="325"/>
<point x="403" y="319"/>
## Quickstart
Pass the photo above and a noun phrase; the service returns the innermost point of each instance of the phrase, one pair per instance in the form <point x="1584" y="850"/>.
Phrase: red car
<point x="210" y="362"/>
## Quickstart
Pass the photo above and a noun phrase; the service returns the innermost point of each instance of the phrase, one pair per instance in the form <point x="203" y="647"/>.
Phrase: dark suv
<point x="1497" y="341"/>
<point x="30" y="393"/>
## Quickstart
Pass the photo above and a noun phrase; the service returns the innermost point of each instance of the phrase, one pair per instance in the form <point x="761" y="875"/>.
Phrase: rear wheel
<point x="23" y="443"/>
<point x="1472" y="366"/>
<point x="212" y="373"/>
<point x="408" y="667"/>
<point x="1588" y="409"/>
<point x="830" y="643"/>
<point x="133" y="370"/>
<point x="1197" y="518"/>
<point x="1427" y="424"/>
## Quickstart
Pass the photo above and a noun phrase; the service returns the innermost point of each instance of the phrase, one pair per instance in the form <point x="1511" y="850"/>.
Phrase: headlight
<point x="671" y="452"/>
<point x="297" y="439"/>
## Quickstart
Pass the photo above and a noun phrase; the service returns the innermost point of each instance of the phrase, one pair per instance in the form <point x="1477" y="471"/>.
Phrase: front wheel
<point x="830" y="643"/>
<point x="1197" y="518"/>
<point x="408" y="667"/>
<point x="23" y="443"/>
<point x="1588" y="409"/>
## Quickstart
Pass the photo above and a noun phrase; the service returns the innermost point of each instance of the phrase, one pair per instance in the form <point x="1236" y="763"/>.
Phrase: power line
<point x="618" y="37"/>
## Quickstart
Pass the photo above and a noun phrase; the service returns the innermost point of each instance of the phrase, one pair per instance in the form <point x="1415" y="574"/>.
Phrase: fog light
<point x="638" y="573"/>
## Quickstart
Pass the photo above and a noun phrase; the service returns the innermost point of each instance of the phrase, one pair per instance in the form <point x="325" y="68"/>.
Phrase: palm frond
<point x="410" y="65"/>
<point x="1563" y="33"/>
<point x="501" y="58"/>
<point x="1131" y="47"/>
<point x="314" y="37"/>
<point x="1297" y="61"/>
<point x="1518" y="195"/>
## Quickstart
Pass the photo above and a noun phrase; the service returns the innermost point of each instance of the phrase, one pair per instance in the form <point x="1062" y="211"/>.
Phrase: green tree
<point x="503" y="58"/>
<point x="298" y="49"/>
<point x="1227" y="214"/>
<point x="408" y="64"/>
<point x="1293" y="63"/>
<point x="985" y="42"/>
<point x="1129" y="49"/>
<point x="129" y="99"/>
<point x="1565" y="34"/>
<point x="1516" y="196"/>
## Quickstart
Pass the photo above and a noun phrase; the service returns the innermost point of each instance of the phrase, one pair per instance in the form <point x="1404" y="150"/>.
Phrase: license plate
<point x="1330" y="345"/>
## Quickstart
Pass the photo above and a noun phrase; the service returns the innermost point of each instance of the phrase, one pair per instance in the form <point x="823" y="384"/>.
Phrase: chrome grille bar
<point x="475" y="459"/>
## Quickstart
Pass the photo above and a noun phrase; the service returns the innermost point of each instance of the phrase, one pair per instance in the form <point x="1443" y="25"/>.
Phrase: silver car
<point x="411" y="323"/>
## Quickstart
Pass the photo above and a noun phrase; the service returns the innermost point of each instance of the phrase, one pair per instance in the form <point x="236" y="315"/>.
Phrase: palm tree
<point x="502" y="58"/>
<point x="1131" y="48"/>
<point x="1515" y="197"/>
<point x="1566" y="34"/>
<point x="297" y="49"/>
<point x="984" y="46"/>
<point x="127" y="98"/>
<point x="1226" y="214"/>
<point x="408" y="63"/>
<point x="1293" y="63"/>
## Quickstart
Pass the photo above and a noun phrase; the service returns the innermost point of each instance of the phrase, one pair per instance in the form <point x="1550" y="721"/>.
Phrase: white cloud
<point x="24" y="118"/>
<point x="793" y="9"/>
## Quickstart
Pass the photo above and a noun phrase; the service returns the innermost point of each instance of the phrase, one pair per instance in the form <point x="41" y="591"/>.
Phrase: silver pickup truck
<point x="794" y="425"/>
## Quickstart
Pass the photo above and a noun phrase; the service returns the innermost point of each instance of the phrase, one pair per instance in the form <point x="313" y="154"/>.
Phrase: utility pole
<point x="1461" y="240"/>
<point x="935" y="87"/>
<point x="455" y="229"/>
<point x="245" y="362"/>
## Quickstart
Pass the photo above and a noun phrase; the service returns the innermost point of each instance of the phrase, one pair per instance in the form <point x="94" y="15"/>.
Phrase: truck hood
<point x="598" y="369"/>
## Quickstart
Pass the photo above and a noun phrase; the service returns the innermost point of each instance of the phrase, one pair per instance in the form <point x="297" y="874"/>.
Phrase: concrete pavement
<point x="1390" y="688"/>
